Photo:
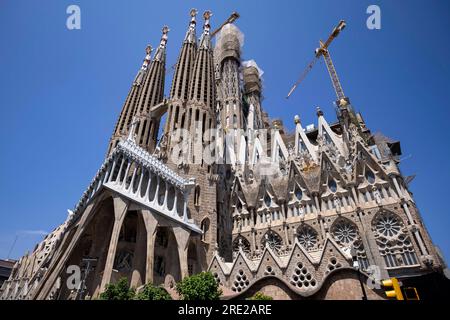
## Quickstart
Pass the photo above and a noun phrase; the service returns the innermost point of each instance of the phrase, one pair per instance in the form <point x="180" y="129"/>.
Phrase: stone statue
<point x="377" y="196"/>
<point x="337" y="204"/>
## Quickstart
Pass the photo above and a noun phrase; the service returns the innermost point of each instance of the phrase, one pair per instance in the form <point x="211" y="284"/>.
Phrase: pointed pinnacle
<point x="319" y="112"/>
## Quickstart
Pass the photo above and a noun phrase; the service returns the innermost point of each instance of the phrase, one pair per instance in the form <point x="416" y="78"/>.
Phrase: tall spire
<point x="153" y="89"/>
<point x="202" y="86"/>
<point x="152" y="94"/>
<point x="177" y="115"/>
<point x="185" y="63"/>
<point x="129" y="107"/>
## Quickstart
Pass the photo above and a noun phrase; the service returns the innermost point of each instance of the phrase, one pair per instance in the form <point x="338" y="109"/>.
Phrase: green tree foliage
<point x="201" y="286"/>
<point x="118" y="291"/>
<point x="260" y="296"/>
<point x="151" y="292"/>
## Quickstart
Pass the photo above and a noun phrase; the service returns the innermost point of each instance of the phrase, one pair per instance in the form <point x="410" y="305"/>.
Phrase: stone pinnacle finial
<point x="165" y="30"/>
<point x="207" y="15"/>
<point x="296" y="119"/>
<point x="319" y="112"/>
<point x="193" y="14"/>
<point x="146" y="62"/>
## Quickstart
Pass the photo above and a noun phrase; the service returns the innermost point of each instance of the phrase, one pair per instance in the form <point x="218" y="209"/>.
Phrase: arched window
<point x="307" y="237"/>
<point x="175" y="119"/>
<point x="267" y="200"/>
<point x="273" y="240"/>
<point x="346" y="234"/>
<point x="197" y="196"/>
<point x="241" y="242"/>
<point x="393" y="240"/>
<point x="204" y="225"/>
<point x="332" y="185"/>
<point x="370" y="176"/>
<point x="298" y="193"/>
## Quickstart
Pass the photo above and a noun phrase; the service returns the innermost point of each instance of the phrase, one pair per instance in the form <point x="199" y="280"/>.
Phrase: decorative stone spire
<point x="129" y="107"/>
<point x="145" y="64"/>
<point x="160" y="54"/>
<point x="205" y="40"/>
<point x="177" y="113"/>
<point x="147" y="58"/>
<point x="185" y="63"/>
<point x="319" y="112"/>
<point x="190" y="34"/>
<point x="151" y="95"/>
<point x="202" y="85"/>
<point x="153" y="89"/>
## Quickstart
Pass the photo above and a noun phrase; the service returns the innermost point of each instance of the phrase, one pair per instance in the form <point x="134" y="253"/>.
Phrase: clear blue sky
<point x="61" y="91"/>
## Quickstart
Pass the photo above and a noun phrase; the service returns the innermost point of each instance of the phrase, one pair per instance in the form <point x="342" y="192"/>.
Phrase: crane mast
<point x="333" y="75"/>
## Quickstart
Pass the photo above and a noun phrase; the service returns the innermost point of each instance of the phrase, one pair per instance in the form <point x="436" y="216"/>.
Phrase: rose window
<point x="388" y="225"/>
<point x="307" y="237"/>
<point x="273" y="240"/>
<point x="344" y="232"/>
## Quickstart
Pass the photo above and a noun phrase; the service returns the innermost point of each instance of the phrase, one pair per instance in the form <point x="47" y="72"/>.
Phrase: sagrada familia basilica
<point x="319" y="213"/>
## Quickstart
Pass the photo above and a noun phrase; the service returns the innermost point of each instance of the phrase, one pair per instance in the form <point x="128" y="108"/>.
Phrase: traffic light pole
<point x="357" y="266"/>
<point x="364" y="297"/>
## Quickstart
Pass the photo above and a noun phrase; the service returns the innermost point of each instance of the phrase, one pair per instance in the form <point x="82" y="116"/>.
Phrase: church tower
<point x="190" y="116"/>
<point x="177" y="112"/>
<point x="128" y="109"/>
<point x="146" y="91"/>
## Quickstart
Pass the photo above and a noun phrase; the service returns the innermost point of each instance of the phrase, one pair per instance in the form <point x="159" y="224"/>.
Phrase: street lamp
<point x="357" y="266"/>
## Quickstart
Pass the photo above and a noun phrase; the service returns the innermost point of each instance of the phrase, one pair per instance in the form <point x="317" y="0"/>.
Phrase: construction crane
<point x="322" y="51"/>
<point x="232" y="18"/>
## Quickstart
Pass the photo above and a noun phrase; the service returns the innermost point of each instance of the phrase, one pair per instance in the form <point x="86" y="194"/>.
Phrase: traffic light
<point x="396" y="291"/>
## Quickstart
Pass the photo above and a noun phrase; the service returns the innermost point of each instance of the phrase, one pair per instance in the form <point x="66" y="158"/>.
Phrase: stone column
<point x="120" y="209"/>
<point x="182" y="237"/>
<point x="139" y="259"/>
<point x="283" y="206"/>
<point x="123" y="184"/>
<point x="130" y="187"/>
<point x="372" y="254"/>
<point x="253" y="239"/>
<point x="151" y="224"/>
<point x="415" y="231"/>
<point x="138" y="190"/>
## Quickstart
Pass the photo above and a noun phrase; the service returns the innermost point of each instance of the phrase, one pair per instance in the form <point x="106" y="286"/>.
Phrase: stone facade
<point x="287" y="214"/>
